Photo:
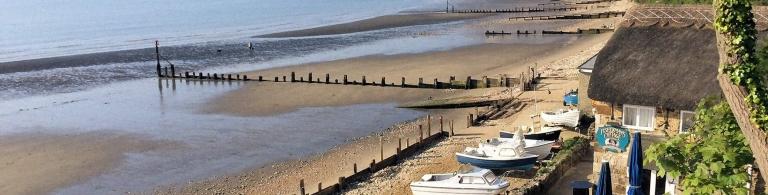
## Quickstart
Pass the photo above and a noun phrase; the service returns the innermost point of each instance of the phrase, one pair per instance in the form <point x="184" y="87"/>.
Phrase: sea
<point x="114" y="89"/>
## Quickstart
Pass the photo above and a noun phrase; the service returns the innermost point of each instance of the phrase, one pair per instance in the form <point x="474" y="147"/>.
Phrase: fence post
<point x="381" y="148"/>
<point x="293" y="77"/>
<point x="319" y="186"/>
<point x="341" y="183"/>
<point x="421" y="135"/>
<point x="421" y="82"/>
<point x="345" y="79"/>
<point x="436" y="84"/>
<point x="469" y="121"/>
<point x="407" y="142"/>
<point x="477" y="112"/>
<point x="310" y="78"/>
<point x="441" y="124"/>
<point x="402" y="82"/>
<point x="301" y="187"/>
<point x="450" y="125"/>
<point x="354" y="168"/>
<point x="363" y="80"/>
<point x="327" y="78"/>
<point x="469" y="83"/>
<point x="383" y="83"/>
<point x="399" y="145"/>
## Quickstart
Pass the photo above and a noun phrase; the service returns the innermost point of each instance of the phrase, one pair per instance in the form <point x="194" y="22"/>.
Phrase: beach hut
<point x="649" y="77"/>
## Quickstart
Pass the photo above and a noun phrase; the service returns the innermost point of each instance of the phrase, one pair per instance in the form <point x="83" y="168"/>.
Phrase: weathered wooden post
<point x="166" y="71"/>
<point x="283" y="78"/>
<point x="173" y="71"/>
<point x="327" y="78"/>
<point x="450" y="125"/>
<point x="320" y="186"/>
<point x="471" y="120"/>
<point x="363" y="80"/>
<point x="345" y="80"/>
<point x="201" y="75"/>
<point x="383" y="83"/>
<point x="354" y="168"/>
<point x="301" y="187"/>
<point x="441" y="124"/>
<point x="402" y="82"/>
<point x="245" y="77"/>
<point x="157" y="51"/>
<point x="238" y="76"/>
<point x="421" y="82"/>
<point x="277" y="79"/>
<point x="229" y="77"/>
<point x="437" y="86"/>
<point x="469" y="83"/>
<point x="469" y="123"/>
<point x="215" y="77"/>
<point x="186" y="74"/>
<point x="381" y="148"/>
<point x="399" y="145"/>
<point x="309" y="78"/>
<point x="429" y="125"/>
<point x="260" y="78"/>
<point x="421" y="135"/>
<point x="373" y="166"/>
<point x="341" y="183"/>
<point x="293" y="77"/>
<point x="477" y="112"/>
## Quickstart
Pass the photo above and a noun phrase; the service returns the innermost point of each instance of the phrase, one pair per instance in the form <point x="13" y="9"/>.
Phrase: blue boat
<point x="498" y="162"/>
<point x="571" y="98"/>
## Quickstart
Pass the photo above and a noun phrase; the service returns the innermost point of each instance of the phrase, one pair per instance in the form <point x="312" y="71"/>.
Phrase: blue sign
<point x="613" y="139"/>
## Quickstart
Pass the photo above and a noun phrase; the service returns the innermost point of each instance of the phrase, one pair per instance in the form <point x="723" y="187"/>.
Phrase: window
<point x="639" y="117"/>
<point x="686" y="120"/>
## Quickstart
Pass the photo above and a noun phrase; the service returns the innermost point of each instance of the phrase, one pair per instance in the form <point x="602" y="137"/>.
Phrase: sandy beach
<point x="25" y="158"/>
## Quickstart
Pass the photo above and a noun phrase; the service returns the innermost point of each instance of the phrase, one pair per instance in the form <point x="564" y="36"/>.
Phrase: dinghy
<point x="565" y="117"/>
<point x="467" y="180"/>
<point x="537" y="147"/>
<point x="545" y="133"/>
<point x="510" y="157"/>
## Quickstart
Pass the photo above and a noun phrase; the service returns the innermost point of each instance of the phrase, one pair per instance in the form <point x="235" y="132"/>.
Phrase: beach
<point x="79" y="158"/>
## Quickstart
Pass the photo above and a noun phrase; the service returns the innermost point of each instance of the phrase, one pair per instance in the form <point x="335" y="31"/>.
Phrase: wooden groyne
<point x="577" y="3"/>
<point x="578" y="31"/>
<point x="575" y="16"/>
<point x="522" y="9"/>
<point x="425" y="138"/>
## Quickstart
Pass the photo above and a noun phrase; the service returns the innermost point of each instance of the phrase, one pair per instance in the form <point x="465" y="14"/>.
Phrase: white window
<point x="639" y="117"/>
<point x="686" y="120"/>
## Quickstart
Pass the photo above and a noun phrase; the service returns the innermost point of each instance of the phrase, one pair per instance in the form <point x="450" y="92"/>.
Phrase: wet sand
<point x="378" y="23"/>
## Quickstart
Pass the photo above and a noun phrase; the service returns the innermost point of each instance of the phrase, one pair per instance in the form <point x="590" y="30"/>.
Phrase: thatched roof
<point x="696" y="16"/>
<point x="657" y="66"/>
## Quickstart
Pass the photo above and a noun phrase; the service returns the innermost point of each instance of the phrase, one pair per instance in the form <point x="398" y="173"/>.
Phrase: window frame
<point x="682" y="119"/>
<point x="624" y="117"/>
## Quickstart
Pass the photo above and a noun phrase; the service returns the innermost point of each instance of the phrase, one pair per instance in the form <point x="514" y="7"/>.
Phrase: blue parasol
<point x="635" y="168"/>
<point x="604" y="181"/>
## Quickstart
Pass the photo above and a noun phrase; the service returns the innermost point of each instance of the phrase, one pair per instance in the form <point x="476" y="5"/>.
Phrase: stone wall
<point x="544" y="181"/>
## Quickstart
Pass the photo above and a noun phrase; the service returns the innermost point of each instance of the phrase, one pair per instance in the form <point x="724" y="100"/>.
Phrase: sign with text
<point x="613" y="139"/>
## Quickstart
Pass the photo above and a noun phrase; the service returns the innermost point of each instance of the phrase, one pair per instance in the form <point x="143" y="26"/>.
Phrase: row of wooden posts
<point x="469" y="83"/>
<point x="373" y="167"/>
<point x="569" y="17"/>
<point x="522" y="9"/>
<point x="578" y="31"/>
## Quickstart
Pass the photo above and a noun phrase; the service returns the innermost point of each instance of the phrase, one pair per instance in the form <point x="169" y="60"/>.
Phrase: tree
<point x="711" y="158"/>
<point x="740" y="77"/>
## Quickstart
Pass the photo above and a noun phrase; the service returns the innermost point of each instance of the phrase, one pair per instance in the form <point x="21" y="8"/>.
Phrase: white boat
<point x="467" y="180"/>
<point x="537" y="147"/>
<point x="512" y="156"/>
<point x="544" y="133"/>
<point x="566" y="117"/>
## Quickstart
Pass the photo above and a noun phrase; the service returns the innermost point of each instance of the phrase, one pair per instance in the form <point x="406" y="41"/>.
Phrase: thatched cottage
<point x="650" y="77"/>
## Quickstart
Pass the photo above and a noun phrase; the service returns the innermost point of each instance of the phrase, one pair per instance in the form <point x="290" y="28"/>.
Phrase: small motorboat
<point x="510" y="157"/>
<point x="571" y="98"/>
<point x="545" y="133"/>
<point x="467" y="180"/>
<point x="537" y="147"/>
<point x="564" y="117"/>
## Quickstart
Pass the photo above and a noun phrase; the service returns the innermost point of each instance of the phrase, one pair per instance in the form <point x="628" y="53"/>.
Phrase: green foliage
<point x="711" y="158"/>
<point x="575" y="141"/>
<point x="734" y="19"/>
<point x="542" y="170"/>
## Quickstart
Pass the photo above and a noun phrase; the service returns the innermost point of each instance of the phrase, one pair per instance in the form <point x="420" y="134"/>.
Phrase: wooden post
<point x="354" y="167"/>
<point x="301" y="187"/>
<point x="345" y="79"/>
<point x="421" y="82"/>
<point x="309" y="78"/>
<point x="319" y="186"/>
<point x="407" y="142"/>
<point x="429" y="125"/>
<point x="469" y="121"/>
<point x="186" y="74"/>
<point x="399" y="145"/>
<point x="373" y="166"/>
<point x="381" y="148"/>
<point x="383" y="83"/>
<point x="363" y="80"/>
<point x="477" y="112"/>
<point x="450" y="125"/>
<point x="245" y="77"/>
<point x="301" y="79"/>
<point x="327" y="78"/>
<point x="421" y="135"/>
<point x="166" y="71"/>
<point x="436" y="84"/>
<point x="293" y="77"/>
<point x="201" y="75"/>
<point x="469" y="83"/>
<point x="260" y="78"/>
<point x="441" y="124"/>
<point x="229" y="77"/>
<point x="402" y="82"/>
<point x="157" y="51"/>
<point x="277" y="79"/>
<point x="341" y="183"/>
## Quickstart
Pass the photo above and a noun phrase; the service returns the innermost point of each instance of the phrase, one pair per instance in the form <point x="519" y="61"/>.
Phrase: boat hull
<point x="542" y="149"/>
<point x="548" y="136"/>
<point x="435" y="190"/>
<point x="569" y="118"/>
<point x="525" y="163"/>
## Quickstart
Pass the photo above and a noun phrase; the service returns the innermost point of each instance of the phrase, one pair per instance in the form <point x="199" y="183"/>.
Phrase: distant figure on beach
<point x="250" y="46"/>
